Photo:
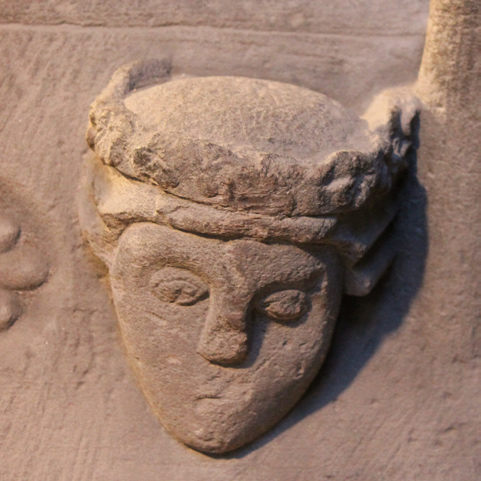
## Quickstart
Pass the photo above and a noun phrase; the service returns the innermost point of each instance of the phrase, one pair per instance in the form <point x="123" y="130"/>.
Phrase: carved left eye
<point x="284" y="305"/>
<point x="178" y="286"/>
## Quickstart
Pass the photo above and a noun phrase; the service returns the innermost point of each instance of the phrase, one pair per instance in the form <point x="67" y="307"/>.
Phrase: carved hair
<point x="241" y="165"/>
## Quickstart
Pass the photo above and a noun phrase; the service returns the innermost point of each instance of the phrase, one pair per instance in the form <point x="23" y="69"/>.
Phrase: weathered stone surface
<point x="321" y="62"/>
<point x="398" y="396"/>
<point x="366" y="17"/>
<point x="225" y="333"/>
<point x="24" y="264"/>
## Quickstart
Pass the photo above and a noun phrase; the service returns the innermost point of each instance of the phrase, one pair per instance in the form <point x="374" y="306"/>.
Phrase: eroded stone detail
<point x="22" y="269"/>
<point x="233" y="213"/>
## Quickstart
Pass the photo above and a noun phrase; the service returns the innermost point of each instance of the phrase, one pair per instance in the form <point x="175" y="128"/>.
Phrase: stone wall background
<point x="397" y="398"/>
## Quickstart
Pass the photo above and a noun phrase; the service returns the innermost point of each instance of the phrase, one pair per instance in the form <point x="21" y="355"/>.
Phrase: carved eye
<point x="284" y="305"/>
<point x="178" y="286"/>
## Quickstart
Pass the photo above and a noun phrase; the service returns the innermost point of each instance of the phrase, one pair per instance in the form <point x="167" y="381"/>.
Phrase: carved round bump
<point x="10" y="309"/>
<point x="22" y="269"/>
<point x="9" y="234"/>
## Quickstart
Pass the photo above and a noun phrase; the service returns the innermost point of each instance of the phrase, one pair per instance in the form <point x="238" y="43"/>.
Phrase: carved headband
<point x="282" y="163"/>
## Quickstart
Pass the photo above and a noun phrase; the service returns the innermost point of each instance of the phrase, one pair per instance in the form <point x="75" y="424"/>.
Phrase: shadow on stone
<point x="364" y="322"/>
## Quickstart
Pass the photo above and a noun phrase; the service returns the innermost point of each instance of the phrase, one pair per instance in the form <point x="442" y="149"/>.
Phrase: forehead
<point x="150" y="245"/>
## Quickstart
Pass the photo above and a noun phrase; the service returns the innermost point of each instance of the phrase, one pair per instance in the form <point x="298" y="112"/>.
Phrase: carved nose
<point x="223" y="339"/>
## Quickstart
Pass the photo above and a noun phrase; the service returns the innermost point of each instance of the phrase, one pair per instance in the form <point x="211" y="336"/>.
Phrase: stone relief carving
<point x="233" y="214"/>
<point x="22" y="267"/>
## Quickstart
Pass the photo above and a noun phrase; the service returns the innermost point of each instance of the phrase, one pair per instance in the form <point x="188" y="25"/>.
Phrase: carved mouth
<point x="207" y="396"/>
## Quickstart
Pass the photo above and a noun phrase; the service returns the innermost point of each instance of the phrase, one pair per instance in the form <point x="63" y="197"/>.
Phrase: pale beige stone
<point x="23" y="267"/>
<point x="397" y="397"/>
<point x="224" y="331"/>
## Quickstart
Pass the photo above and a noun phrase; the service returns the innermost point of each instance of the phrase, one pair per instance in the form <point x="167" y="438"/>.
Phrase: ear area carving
<point x="136" y="75"/>
<point x="361" y="278"/>
<point x="113" y="129"/>
<point x="393" y="117"/>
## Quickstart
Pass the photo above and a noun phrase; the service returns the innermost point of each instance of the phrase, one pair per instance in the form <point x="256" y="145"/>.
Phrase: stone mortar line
<point x="72" y="27"/>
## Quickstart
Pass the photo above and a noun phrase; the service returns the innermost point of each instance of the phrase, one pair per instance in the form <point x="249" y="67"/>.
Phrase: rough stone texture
<point x="226" y="332"/>
<point x="378" y="17"/>
<point x="398" y="396"/>
<point x="24" y="263"/>
<point x="322" y="62"/>
<point x="247" y="145"/>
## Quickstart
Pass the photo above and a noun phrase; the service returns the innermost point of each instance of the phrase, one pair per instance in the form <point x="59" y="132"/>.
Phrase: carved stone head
<point x="232" y="214"/>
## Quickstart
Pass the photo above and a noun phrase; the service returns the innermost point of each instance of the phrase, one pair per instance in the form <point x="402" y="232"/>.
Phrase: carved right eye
<point x="284" y="305"/>
<point x="178" y="286"/>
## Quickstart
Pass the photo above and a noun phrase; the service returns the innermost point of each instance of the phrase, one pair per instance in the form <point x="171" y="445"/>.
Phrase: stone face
<point x="220" y="359"/>
<point x="226" y="332"/>
<point x="398" y="395"/>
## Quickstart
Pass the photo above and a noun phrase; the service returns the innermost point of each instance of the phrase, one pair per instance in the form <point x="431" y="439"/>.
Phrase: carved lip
<point x="208" y="396"/>
<point x="220" y="419"/>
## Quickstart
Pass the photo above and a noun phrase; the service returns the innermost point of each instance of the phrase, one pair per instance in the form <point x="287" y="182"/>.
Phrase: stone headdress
<point x="232" y="157"/>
